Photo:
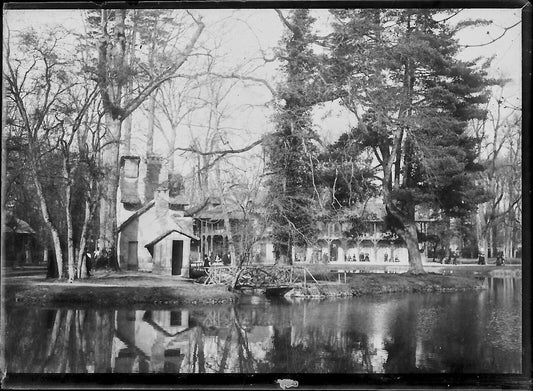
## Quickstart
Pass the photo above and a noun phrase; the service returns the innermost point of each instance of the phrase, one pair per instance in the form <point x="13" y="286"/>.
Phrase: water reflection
<point x="461" y="332"/>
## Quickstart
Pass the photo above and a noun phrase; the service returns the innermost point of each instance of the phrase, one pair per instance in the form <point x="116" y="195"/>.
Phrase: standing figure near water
<point x="500" y="261"/>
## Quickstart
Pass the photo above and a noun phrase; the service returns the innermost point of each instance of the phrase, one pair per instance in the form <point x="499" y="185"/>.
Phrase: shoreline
<point x="119" y="289"/>
<point x="379" y="284"/>
<point x="130" y="289"/>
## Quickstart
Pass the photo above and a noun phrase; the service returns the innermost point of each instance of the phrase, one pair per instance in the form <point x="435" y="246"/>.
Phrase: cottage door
<point x="177" y="257"/>
<point x="133" y="262"/>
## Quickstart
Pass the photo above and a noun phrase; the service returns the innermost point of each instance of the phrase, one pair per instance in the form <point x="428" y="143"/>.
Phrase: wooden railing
<point x="260" y="276"/>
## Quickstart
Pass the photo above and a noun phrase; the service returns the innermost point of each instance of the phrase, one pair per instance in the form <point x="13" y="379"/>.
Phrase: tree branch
<point x="505" y="29"/>
<point x="289" y="25"/>
<point x="222" y="152"/>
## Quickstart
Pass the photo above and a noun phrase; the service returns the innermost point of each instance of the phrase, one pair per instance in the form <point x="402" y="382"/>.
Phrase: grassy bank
<point x="129" y="289"/>
<point x="123" y="289"/>
<point x="364" y="284"/>
<point x="381" y="283"/>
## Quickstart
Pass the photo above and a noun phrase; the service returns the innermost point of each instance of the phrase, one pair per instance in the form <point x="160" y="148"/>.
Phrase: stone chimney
<point x="129" y="177"/>
<point x="161" y="200"/>
<point x="178" y="200"/>
<point x="151" y="180"/>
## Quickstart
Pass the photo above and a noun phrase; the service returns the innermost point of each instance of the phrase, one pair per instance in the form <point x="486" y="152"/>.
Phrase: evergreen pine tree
<point x="398" y="71"/>
<point x="291" y="149"/>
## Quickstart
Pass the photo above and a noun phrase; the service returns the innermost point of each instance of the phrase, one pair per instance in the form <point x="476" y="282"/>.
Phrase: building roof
<point x="178" y="200"/>
<point x="136" y="214"/>
<point x="374" y="210"/>
<point x="168" y="232"/>
<point x="18" y="226"/>
<point x="217" y="213"/>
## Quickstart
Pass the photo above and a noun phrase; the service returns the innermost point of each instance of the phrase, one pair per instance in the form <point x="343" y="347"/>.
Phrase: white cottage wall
<point x="163" y="254"/>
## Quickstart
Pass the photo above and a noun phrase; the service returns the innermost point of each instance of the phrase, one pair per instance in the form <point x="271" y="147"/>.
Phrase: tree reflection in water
<point x="461" y="332"/>
<point x="59" y="340"/>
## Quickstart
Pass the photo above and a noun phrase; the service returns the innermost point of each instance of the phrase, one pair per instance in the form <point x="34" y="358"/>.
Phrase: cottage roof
<point x="18" y="226"/>
<point x="169" y="231"/>
<point x="137" y="213"/>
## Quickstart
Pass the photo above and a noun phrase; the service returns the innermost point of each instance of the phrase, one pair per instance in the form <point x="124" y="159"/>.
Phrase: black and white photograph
<point x="282" y="198"/>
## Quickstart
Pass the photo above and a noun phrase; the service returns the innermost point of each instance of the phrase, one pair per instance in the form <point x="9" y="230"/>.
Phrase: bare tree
<point x="178" y="99"/>
<point x="500" y="146"/>
<point x="113" y="74"/>
<point x="42" y="86"/>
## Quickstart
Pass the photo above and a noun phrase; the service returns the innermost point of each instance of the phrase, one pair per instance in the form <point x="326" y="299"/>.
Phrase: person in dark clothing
<point x="454" y="258"/>
<point x="481" y="259"/>
<point x="206" y="261"/>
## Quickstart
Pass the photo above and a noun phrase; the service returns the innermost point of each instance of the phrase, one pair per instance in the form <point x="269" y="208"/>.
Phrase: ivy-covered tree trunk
<point x="108" y="202"/>
<point x="114" y="74"/>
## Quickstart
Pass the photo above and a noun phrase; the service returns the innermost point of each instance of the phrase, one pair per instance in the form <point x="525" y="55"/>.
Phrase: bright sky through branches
<point x="245" y="35"/>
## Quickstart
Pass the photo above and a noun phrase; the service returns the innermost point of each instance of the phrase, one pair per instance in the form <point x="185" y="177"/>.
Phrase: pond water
<point x="466" y="332"/>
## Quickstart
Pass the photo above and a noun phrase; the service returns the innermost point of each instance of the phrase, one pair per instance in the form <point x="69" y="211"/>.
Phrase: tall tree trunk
<point x="151" y="125"/>
<point x="151" y="101"/>
<point x="68" y="216"/>
<point x="108" y="201"/>
<point x="82" y="267"/>
<point x="127" y="135"/>
<point x="129" y="85"/>
<point x="171" y="148"/>
<point x="410" y="237"/>
<point x="204" y="170"/>
<point x="227" y="223"/>
<point x="46" y="217"/>
<point x="494" y="241"/>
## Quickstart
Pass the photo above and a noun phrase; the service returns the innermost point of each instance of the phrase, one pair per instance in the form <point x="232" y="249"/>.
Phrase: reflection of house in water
<point x="171" y="342"/>
<point x="150" y="341"/>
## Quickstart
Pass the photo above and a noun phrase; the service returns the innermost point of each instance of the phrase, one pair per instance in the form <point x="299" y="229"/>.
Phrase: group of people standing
<point x="500" y="260"/>
<point x="212" y="259"/>
<point x="366" y="258"/>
